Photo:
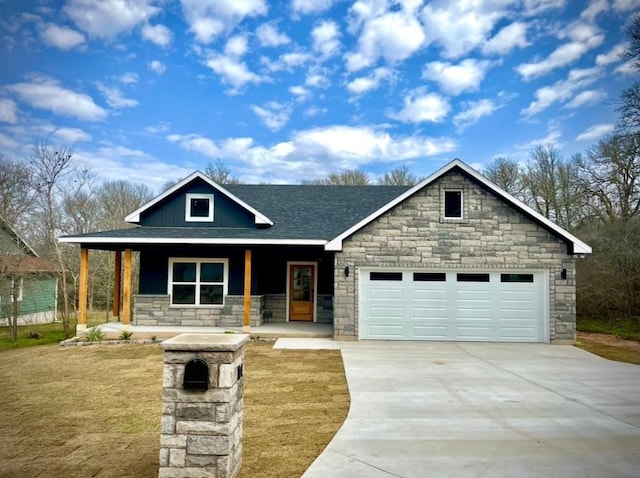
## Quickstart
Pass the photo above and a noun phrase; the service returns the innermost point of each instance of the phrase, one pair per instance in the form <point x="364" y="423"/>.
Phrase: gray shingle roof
<point x="299" y="212"/>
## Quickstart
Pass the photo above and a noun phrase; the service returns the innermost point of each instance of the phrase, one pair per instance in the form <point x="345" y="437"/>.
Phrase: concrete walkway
<point x="425" y="409"/>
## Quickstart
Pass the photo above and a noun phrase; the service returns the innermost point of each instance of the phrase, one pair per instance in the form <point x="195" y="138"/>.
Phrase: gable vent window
<point x="453" y="204"/>
<point x="199" y="208"/>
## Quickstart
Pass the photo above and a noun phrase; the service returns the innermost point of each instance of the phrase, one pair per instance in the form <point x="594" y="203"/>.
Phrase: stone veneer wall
<point x="277" y="305"/>
<point x="491" y="235"/>
<point x="156" y="310"/>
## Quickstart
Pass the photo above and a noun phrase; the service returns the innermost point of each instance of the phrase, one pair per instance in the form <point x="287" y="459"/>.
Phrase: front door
<point x="301" y="291"/>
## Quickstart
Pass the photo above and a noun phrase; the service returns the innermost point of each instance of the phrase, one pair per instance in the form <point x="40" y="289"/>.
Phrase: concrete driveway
<point x="425" y="409"/>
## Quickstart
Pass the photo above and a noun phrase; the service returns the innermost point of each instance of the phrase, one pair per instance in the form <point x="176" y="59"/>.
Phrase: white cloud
<point x="561" y="90"/>
<point x="161" y="127"/>
<point x="114" y="97"/>
<point x="273" y="115"/>
<point x="157" y="67"/>
<point x="158" y="34"/>
<point x="553" y="137"/>
<point x="317" y="80"/>
<point x="474" y="110"/>
<point x="461" y="27"/>
<point x="61" y="37"/>
<point x="315" y="111"/>
<point x="612" y="56"/>
<point x="455" y="79"/>
<point x="595" y="132"/>
<point x="584" y="38"/>
<point x="301" y="93"/>
<point x="194" y="142"/>
<point x="585" y="98"/>
<point x="232" y="72"/>
<point x="595" y="8"/>
<point x="311" y="6"/>
<point x="71" y="135"/>
<point x="46" y="93"/>
<point x="510" y="37"/>
<point x="627" y="68"/>
<point x="536" y="7"/>
<point x="8" y="111"/>
<point x="209" y="18"/>
<point x="364" y="84"/>
<point x="129" y="78"/>
<point x="269" y="36"/>
<point x="625" y="5"/>
<point x="236" y="46"/>
<point x="393" y="36"/>
<point x="325" y="37"/>
<point x="420" y="107"/>
<point x="108" y="18"/>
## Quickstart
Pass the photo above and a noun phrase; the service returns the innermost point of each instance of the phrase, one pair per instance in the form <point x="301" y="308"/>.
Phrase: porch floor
<point x="267" y="330"/>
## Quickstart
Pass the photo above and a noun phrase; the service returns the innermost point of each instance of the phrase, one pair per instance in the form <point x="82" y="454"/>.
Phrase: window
<point x="453" y="204"/>
<point x="472" y="277"/>
<point x="198" y="281"/>
<point x="394" y="276"/>
<point x="429" y="277"/>
<point x="199" y="208"/>
<point x="516" y="277"/>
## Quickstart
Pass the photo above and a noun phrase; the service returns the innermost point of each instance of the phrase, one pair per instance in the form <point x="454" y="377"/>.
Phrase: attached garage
<point x="461" y="305"/>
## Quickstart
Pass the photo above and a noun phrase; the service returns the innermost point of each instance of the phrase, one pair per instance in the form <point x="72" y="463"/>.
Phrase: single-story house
<point x="454" y="257"/>
<point x="29" y="278"/>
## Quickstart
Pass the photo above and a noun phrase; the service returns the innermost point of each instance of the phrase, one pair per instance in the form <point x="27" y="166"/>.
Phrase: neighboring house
<point x="33" y="280"/>
<point x="453" y="258"/>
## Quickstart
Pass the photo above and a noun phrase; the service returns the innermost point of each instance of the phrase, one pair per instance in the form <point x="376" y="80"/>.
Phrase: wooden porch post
<point x="117" y="281"/>
<point x="246" y="323"/>
<point x="126" y="289"/>
<point x="83" y="288"/>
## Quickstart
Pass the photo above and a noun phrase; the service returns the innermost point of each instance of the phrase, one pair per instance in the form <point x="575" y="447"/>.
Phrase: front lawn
<point x="95" y="411"/>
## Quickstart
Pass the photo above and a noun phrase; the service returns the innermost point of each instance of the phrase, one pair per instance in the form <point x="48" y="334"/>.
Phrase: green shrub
<point x="126" y="335"/>
<point x="94" y="334"/>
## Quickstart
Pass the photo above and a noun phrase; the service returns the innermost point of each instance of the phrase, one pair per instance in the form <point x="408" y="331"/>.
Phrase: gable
<point x="575" y="246"/>
<point x="12" y="243"/>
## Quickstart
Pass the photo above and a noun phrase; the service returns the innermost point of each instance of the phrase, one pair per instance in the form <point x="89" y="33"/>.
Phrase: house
<point x="31" y="279"/>
<point x="453" y="258"/>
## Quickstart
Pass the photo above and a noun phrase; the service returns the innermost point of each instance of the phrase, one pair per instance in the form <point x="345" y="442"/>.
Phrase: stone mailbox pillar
<point x="201" y="434"/>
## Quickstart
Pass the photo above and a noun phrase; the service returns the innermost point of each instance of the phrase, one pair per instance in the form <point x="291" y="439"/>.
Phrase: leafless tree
<point x="220" y="173"/>
<point x="507" y="174"/>
<point x="16" y="193"/>
<point x="400" y="176"/>
<point x="348" y="177"/>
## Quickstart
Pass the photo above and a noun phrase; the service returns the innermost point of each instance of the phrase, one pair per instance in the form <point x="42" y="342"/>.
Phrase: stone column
<point x="201" y="431"/>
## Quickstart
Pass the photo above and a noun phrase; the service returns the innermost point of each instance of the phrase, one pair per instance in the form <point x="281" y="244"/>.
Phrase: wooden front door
<point x="301" y="291"/>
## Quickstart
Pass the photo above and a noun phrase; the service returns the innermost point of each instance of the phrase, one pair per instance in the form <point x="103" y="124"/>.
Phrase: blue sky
<point x="151" y="90"/>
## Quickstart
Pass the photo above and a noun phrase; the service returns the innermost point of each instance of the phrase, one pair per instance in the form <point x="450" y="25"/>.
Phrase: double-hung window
<point x="198" y="282"/>
<point x="13" y="286"/>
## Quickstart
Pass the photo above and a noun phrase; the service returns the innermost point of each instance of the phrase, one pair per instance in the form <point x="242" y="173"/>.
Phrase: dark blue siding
<point x="170" y="212"/>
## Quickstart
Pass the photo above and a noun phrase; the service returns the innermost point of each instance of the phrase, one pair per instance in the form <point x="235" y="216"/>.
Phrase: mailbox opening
<point x="196" y="375"/>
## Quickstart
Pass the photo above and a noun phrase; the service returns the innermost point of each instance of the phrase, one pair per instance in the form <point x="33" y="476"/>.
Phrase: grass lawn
<point x="95" y="411"/>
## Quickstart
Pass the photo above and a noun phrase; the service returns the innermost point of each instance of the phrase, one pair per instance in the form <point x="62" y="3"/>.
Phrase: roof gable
<point x="579" y="247"/>
<point x="21" y="246"/>
<point x="259" y="218"/>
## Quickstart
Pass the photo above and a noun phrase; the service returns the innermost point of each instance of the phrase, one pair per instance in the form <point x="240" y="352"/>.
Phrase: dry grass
<point x="95" y="411"/>
<point x="610" y="347"/>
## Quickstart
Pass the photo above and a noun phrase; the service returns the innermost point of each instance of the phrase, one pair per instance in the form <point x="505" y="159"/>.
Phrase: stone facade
<point x="201" y="430"/>
<point x="491" y="235"/>
<point x="156" y="310"/>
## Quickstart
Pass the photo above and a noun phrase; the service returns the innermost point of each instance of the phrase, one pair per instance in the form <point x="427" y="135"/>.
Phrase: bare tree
<point x="220" y="173"/>
<point x="117" y="199"/>
<point x="400" y="176"/>
<point x="16" y="193"/>
<point x="348" y="177"/>
<point x="507" y="174"/>
<point x="629" y="109"/>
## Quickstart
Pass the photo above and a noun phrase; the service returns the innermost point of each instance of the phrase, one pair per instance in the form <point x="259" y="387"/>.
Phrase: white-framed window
<point x="198" y="282"/>
<point x="199" y="208"/>
<point x="9" y="284"/>
<point x="453" y="204"/>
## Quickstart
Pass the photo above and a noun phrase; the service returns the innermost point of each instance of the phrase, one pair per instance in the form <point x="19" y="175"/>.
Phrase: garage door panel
<point x="510" y="309"/>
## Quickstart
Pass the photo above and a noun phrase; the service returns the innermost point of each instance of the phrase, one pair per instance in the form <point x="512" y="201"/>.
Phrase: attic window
<point x="453" y="204"/>
<point x="199" y="208"/>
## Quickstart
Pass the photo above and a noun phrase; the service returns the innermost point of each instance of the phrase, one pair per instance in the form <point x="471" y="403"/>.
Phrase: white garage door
<point x="499" y="306"/>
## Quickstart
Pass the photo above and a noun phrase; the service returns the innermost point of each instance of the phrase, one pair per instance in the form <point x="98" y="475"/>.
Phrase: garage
<point x="463" y="305"/>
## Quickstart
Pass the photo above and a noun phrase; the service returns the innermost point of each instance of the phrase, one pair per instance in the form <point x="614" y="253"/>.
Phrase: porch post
<point x="246" y="323"/>
<point x="83" y="289"/>
<point x="117" y="282"/>
<point x="126" y="289"/>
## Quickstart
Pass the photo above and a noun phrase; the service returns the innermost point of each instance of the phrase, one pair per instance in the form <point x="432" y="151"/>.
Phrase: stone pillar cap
<point x="206" y="342"/>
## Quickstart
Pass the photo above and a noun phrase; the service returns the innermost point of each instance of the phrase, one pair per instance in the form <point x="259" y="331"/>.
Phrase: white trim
<point x="315" y="286"/>
<point x="198" y="261"/>
<point x="444" y="204"/>
<point x="579" y="247"/>
<point x="186" y="240"/>
<point x="187" y="208"/>
<point x="260" y="218"/>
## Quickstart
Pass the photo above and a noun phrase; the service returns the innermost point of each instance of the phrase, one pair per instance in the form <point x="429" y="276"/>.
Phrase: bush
<point x="126" y="335"/>
<point x="94" y="334"/>
<point x="34" y="334"/>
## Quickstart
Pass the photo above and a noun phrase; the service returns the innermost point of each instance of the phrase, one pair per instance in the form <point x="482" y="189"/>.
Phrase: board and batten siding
<point x="491" y="235"/>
